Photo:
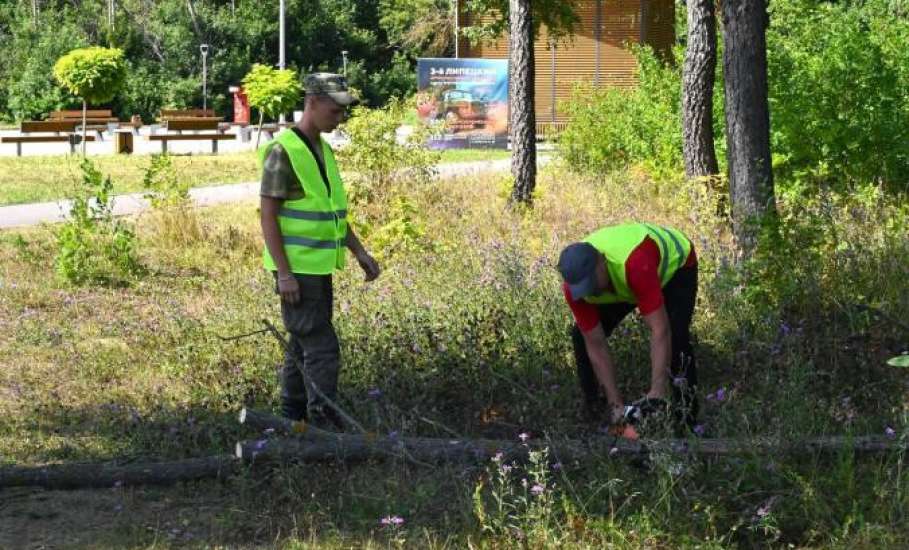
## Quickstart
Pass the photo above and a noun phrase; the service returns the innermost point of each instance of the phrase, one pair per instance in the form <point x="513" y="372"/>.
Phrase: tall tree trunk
<point x="84" y="125"/>
<point x="747" y="119"/>
<point x="697" y="90"/>
<point x="521" y="103"/>
<point x="192" y="17"/>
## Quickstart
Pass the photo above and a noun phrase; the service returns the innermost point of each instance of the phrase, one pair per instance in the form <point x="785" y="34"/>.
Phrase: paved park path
<point x="23" y="215"/>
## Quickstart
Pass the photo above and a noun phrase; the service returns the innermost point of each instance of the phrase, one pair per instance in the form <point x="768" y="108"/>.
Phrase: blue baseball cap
<point x="578" y="266"/>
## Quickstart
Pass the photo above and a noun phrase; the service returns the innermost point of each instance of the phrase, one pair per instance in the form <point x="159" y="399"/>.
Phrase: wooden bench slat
<point x="40" y="139"/>
<point x="203" y="124"/>
<point x="187" y="113"/>
<point x="190" y="137"/>
<point x="47" y="126"/>
<point x="90" y="113"/>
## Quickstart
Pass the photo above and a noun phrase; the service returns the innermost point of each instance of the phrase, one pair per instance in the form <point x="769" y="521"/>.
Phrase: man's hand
<point x="289" y="288"/>
<point x="370" y="266"/>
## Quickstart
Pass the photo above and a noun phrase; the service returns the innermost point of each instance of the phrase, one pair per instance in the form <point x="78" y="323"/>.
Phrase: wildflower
<point x="392" y="520"/>
<point x="699" y="429"/>
<point x="889" y="432"/>
<point x="557" y="466"/>
<point x="763" y="511"/>
<point x="506" y="468"/>
<point x="537" y="489"/>
<point x="392" y="434"/>
<point x="679" y="381"/>
<point x="523" y="436"/>
<point x="260" y="444"/>
<point x="497" y="457"/>
<point x="374" y="393"/>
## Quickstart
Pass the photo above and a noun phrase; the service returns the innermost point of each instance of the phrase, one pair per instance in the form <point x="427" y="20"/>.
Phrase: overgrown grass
<point x="37" y="179"/>
<point x="466" y="333"/>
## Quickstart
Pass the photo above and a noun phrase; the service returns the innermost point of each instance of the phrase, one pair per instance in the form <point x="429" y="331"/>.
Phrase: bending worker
<point x="605" y="276"/>
<point x="304" y="223"/>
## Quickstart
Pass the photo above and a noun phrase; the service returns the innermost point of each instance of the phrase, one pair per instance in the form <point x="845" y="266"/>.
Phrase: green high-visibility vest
<point x="314" y="228"/>
<point x="617" y="242"/>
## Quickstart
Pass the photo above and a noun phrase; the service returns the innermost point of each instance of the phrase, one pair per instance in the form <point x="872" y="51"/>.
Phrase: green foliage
<point x="172" y="219"/>
<point x="899" y="361"/>
<point x="839" y="75"/>
<point x="93" y="74"/>
<point x="272" y="91"/>
<point x="376" y="157"/>
<point x="422" y="27"/>
<point x="611" y="127"/>
<point x="92" y="246"/>
<point x="520" y="501"/>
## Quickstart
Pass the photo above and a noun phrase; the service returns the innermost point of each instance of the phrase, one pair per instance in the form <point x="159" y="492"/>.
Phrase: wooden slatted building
<point x="597" y="53"/>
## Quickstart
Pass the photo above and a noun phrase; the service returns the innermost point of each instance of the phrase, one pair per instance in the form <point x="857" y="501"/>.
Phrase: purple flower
<point x="523" y="436"/>
<point x="784" y="328"/>
<point x="557" y="466"/>
<point x="392" y="520"/>
<point x="392" y="434"/>
<point x="699" y="429"/>
<point x="763" y="511"/>
<point x="679" y="381"/>
<point x="260" y="444"/>
<point x="497" y="457"/>
<point x="506" y="468"/>
<point x="889" y="432"/>
<point x="374" y="393"/>
<point x="721" y="394"/>
<point x="537" y="489"/>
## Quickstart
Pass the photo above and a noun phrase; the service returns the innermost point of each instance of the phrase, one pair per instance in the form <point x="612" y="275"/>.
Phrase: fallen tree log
<point x="83" y="476"/>
<point x="347" y="447"/>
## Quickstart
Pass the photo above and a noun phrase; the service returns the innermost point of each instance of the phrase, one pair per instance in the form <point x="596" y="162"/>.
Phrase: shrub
<point x="93" y="247"/>
<point x="271" y="91"/>
<point x="377" y="158"/>
<point x="838" y="75"/>
<point x="611" y="127"/>
<point x="173" y="219"/>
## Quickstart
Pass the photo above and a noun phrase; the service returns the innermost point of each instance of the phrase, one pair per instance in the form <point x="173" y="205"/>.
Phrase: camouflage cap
<point x="330" y="84"/>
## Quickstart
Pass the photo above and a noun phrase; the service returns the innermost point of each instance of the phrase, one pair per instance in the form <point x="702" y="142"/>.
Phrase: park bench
<point x="92" y="116"/>
<point x="185" y="113"/>
<point x="204" y="129"/>
<point x="73" y="139"/>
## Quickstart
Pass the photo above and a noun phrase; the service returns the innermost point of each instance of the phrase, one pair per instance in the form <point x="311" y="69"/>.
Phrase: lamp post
<point x="204" y="49"/>
<point x="344" y="61"/>
<point x="281" y="35"/>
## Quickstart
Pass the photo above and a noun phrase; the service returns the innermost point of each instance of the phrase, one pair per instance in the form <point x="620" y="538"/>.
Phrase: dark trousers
<point x="313" y="355"/>
<point x="679" y="296"/>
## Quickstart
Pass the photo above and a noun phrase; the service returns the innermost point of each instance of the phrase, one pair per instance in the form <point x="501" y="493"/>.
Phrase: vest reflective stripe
<point x="616" y="243"/>
<point x="313" y="228"/>
<point x="309" y="215"/>
<point x="313" y="243"/>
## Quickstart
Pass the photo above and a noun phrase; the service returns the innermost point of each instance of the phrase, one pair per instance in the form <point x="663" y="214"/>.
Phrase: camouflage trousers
<point x="313" y="356"/>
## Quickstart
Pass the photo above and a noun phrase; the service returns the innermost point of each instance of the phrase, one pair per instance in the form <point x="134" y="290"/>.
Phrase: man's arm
<point x="368" y="263"/>
<point x="287" y="283"/>
<point x="603" y="367"/>
<point x="660" y="351"/>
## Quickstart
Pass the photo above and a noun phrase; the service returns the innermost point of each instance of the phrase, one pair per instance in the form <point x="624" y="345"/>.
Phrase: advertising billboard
<point x="470" y="96"/>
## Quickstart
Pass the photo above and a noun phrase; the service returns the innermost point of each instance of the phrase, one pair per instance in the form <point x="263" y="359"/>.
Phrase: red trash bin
<point x="241" y="105"/>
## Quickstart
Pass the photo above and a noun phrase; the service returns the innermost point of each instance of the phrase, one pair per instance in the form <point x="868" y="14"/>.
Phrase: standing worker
<point x="304" y="223"/>
<point x="605" y="276"/>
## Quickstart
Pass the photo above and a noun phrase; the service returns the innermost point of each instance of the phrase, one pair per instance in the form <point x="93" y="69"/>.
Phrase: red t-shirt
<point x="642" y="271"/>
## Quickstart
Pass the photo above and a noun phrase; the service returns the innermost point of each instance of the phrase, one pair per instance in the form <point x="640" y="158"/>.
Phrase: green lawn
<point x="38" y="179"/>
<point x="464" y="335"/>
